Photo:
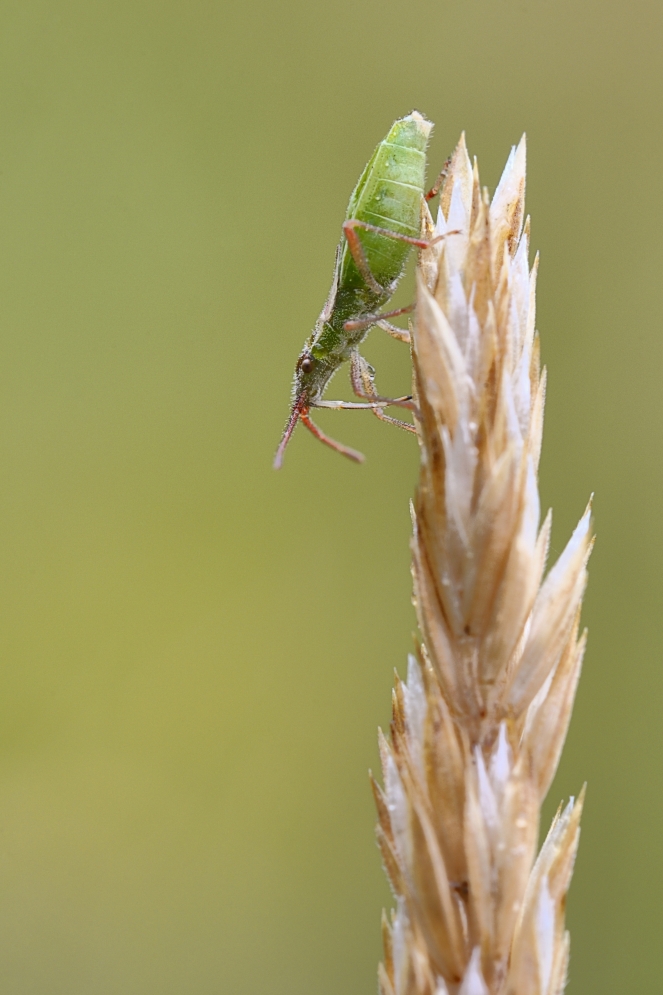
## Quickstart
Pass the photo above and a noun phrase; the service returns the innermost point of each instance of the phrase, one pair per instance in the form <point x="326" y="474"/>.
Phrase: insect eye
<point x="307" y="364"/>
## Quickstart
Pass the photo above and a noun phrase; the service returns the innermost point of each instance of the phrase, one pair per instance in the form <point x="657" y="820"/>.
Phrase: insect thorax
<point x="334" y="342"/>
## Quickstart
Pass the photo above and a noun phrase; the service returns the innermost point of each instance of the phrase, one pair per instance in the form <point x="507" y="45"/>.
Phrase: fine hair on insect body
<point x="383" y="223"/>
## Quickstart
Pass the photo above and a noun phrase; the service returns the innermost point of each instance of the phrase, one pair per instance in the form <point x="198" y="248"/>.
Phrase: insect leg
<point x="362" y="378"/>
<point x="379" y="319"/>
<point x="435" y="189"/>
<point x="401" y="334"/>
<point x="421" y="243"/>
<point x="373" y="401"/>
<point x="359" y="256"/>
<point x="371" y="398"/>
<point x="332" y="443"/>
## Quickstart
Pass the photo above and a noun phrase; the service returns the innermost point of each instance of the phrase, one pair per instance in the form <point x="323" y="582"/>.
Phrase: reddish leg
<point x="374" y="402"/>
<point x="365" y="389"/>
<point x="362" y="378"/>
<point x="332" y="443"/>
<point x="359" y="256"/>
<point x="435" y="189"/>
<point x="401" y="334"/>
<point x="379" y="319"/>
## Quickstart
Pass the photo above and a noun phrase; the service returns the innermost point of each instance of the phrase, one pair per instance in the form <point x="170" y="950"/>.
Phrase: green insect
<point x="386" y="208"/>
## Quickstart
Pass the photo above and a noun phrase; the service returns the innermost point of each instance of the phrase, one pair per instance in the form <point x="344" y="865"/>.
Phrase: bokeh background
<point x="196" y="651"/>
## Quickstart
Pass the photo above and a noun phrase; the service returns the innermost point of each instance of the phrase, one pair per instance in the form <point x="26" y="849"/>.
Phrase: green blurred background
<point x="196" y="651"/>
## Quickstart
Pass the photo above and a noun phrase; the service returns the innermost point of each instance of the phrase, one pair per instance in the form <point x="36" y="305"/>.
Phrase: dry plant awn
<point x="382" y="224"/>
<point x="479" y="724"/>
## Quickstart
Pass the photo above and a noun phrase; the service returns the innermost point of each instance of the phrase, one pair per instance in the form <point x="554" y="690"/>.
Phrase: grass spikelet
<point x="480" y="722"/>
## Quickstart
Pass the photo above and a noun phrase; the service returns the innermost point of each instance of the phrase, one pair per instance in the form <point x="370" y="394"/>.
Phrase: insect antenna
<point x="295" y="415"/>
<point x="338" y="447"/>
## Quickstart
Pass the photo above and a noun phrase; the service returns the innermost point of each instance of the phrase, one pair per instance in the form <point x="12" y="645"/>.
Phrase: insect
<point x="383" y="222"/>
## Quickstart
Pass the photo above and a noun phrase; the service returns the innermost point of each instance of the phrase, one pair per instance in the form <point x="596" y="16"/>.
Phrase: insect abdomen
<point x="388" y="195"/>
